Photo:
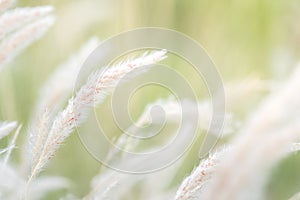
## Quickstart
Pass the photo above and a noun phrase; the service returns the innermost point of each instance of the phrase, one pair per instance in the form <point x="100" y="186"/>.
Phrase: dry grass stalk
<point x="6" y="128"/>
<point x="2" y="151"/>
<point x="11" y="146"/>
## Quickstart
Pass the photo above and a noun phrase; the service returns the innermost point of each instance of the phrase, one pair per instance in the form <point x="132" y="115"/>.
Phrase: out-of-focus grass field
<point x="249" y="38"/>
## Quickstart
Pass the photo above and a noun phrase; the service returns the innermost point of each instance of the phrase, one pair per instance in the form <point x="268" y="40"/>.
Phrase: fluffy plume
<point x="11" y="45"/>
<point x="52" y="96"/>
<point x="4" y="4"/>
<point x="36" y="140"/>
<point x="272" y="128"/>
<point x="14" y="19"/>
<point x="192" y="186"/>
<point x="99" y="84"/>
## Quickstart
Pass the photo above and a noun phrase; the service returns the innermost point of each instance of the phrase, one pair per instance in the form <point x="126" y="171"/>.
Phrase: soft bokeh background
<point x="250" y="38"/>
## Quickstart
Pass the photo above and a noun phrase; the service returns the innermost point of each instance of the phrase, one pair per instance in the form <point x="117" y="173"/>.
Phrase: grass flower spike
<point x="99" y="84"/>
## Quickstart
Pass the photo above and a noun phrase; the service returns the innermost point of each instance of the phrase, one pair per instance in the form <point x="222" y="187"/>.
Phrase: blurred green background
<point x="249" y="38"/>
